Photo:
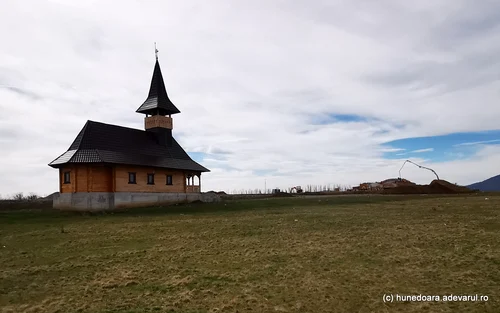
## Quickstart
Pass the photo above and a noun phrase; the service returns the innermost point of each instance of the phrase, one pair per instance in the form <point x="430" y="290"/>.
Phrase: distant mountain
<point x="491" y="184"/>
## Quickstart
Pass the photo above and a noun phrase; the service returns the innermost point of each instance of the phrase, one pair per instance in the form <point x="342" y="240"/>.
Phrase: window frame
<point x="134" y="175"/>
<point x="171" y="180"/>
<point x="152" y="175"/>
<point x="67" y="174"/>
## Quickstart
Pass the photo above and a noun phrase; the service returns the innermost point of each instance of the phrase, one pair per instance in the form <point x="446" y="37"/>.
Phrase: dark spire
<point x="157" y="101"/>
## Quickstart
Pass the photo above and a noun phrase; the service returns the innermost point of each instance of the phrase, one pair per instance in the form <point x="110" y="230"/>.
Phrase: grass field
<point x="337" y="254"/>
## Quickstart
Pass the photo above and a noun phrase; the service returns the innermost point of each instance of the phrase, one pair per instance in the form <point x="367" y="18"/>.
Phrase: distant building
<point x="109" y="166"/>
<point x="370" y="186"/>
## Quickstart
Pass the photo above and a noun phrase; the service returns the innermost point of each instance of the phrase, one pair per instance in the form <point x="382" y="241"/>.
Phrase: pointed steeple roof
<point x="157" y="101"/>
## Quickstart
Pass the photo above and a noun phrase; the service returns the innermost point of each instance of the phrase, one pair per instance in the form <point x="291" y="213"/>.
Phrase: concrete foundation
<point x="108" y="201"/>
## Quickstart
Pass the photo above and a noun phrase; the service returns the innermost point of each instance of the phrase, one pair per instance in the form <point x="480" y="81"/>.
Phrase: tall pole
<point x="265" y="186"/>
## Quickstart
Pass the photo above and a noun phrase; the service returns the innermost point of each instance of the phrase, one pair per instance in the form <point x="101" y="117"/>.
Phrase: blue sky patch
<point x="441" y="148"/>
<point x="197" y="156"/>
<point x="326" y="119"/>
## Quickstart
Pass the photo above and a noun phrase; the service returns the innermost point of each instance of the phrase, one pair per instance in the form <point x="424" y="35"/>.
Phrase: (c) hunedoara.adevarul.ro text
<point x="389" y="297"/>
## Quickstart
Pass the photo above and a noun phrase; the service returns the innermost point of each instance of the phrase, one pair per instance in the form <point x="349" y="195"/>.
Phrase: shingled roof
<point x="158" y="101"/>
<point x="111" y="144"/>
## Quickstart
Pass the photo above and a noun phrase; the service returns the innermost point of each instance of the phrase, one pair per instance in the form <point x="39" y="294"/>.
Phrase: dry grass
<point x="284" y="255"/>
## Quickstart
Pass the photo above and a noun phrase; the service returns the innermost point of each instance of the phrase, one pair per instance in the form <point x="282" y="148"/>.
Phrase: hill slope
<point x="490" y="184"/>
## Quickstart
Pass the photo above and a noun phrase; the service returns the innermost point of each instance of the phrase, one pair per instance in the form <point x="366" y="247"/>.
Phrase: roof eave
<point x="200" y="168"/>
<point x="154" y="110"/>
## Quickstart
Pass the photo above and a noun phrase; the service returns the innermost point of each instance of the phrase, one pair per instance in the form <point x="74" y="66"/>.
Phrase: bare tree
<point x="32" y="196"/>
<point x="18" y="196"/>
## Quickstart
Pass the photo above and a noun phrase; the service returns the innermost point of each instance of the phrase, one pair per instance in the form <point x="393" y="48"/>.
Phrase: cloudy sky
<point x="281" y="92"/>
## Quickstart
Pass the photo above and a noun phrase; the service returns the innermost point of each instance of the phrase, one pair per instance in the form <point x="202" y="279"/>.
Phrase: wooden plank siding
<point x="81" y="173"/>
<point x="113" y="179"/>
<point x="62" y="186"/>
<point x="86" y="178"/>
<point x="100" y="178"/>
<point x="89" y="181"/>
<point x="160" y="178"/>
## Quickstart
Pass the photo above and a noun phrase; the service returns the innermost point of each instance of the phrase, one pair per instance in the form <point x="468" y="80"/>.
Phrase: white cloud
<point x="423" y="150"/>
<point x="393" y="150"/>
<point x="248" y="78"/>
<point x="476" y="143"/>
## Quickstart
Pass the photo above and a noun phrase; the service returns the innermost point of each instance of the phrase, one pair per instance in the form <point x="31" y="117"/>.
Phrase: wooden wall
<point x="121" y="180"/>
<point x="87" y="178"/>
<point x="158" y="121"/>
<point x="82" y="175"/>
<point x="99" y="178"/>
<point x="66" y="187"/>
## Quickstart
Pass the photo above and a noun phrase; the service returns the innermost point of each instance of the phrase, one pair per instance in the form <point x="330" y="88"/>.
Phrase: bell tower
<point x="158" y="108"/>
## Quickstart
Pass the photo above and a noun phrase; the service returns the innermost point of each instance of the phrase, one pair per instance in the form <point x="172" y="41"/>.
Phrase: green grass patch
<point x="316" y="254"/>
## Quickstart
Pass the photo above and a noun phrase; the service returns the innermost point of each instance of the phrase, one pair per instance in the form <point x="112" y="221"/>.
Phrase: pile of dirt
<point x="405" y="182"/>
<point x="435" y="187"/>
<point x="221" y="193"/>
<point x="447" y="186"/>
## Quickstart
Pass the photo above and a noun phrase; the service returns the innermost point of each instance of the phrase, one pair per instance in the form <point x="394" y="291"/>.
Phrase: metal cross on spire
<point x="156" y="52"/>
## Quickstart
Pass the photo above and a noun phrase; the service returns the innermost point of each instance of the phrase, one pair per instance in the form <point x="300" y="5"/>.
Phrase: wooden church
<point x="109" y="166"/>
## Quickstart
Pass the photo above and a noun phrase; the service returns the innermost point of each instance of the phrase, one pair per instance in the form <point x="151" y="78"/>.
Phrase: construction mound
<point x="435" y="187"/>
